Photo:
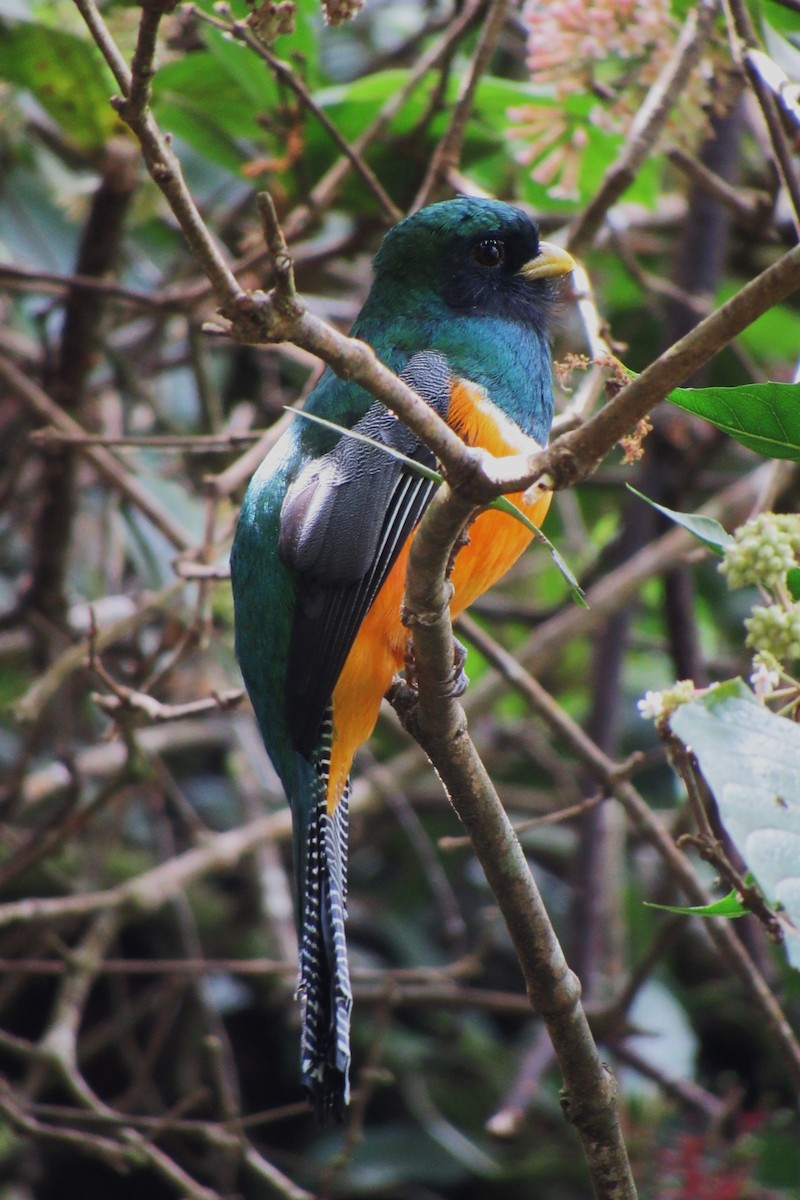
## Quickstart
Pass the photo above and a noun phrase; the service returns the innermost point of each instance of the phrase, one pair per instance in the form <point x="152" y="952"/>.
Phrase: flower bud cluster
<point x="660" y="704"/>
<point x="763" y="551"/>
<point x="775" y="629"/>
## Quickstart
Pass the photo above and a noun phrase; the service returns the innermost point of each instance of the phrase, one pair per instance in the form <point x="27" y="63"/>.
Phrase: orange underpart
<point x="496" y="541"/>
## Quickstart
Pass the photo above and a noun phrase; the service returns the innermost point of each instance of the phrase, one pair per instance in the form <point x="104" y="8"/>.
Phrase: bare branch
<point x="109" y="467"/>
<point x="439" y="723"/>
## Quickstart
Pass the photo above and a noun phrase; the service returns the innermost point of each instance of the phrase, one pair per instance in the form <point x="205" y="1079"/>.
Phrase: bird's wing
<point x="344" y="522"/>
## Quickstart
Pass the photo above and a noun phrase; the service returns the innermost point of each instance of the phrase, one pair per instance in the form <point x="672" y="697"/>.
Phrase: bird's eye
<point x="489" y="253"/>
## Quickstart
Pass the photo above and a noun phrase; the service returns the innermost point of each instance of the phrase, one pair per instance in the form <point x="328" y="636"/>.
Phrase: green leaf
<point x="352" y="106"/>
<point x="502" y="503"/>
<point x="198" y="98"/>
<point x="765" y="417"/>
<point x="729" y="906"/>
<point x="67" y="76"/>
<point x="705" y="529"/>
<point x="793" y="582"/>
<point x="750" y="758"/>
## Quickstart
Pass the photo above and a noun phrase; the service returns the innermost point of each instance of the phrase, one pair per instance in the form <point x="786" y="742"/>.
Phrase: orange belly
<point x="496" y="541"/>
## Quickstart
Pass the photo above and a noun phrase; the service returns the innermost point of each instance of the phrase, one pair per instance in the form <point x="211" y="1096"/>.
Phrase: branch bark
<point x="439" y="723"/>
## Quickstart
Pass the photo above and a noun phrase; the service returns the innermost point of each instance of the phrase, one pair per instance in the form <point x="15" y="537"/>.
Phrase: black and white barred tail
<point x="324" y="985"/>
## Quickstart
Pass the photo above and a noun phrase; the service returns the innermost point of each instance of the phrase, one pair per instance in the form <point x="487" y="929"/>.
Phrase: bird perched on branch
<point x="459" y="309"/>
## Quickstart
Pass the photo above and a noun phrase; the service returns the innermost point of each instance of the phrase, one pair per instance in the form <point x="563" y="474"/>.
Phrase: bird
<point x="459" y="308"/>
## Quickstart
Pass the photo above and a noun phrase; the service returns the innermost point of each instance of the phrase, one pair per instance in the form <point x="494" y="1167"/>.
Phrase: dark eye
<point x="489" y="253"/>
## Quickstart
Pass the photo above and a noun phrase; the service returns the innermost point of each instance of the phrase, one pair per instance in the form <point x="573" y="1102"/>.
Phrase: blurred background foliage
<point x="457" y="1095"/>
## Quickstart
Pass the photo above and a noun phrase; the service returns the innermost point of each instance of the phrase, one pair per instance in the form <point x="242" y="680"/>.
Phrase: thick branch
<point x="439" y="723"/>
<point x="576" y="455"/>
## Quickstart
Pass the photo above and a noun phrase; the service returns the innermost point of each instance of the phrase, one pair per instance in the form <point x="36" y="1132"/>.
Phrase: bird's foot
<point x="460" y="679"/>
<point x="458" y="682"/>
<point x="410" y="665"/>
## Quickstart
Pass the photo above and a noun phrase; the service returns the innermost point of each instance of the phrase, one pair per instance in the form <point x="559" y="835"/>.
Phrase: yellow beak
<point x="550" y="262"/>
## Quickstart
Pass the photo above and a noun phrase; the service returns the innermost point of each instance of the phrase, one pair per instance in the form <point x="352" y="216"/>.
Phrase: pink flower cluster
<point x="612" y="50"/>
<point x="565" y="37"/>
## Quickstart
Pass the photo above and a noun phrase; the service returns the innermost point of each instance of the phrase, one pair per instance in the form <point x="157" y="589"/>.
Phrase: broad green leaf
<point x="765" y="417"/>
<point x="197" y="98"/>
<point x="793" y="582"/>
<point x="750" y="758"/>
<point x="249" y="74"/>
<point x="67" y="76"/>
<point x="729" y="906"/>
<point x="705" y="529"/>
<point x="352" y="106"/>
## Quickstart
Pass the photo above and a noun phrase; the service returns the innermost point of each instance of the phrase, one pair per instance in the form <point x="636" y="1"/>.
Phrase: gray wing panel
<point x="344" y="522"/>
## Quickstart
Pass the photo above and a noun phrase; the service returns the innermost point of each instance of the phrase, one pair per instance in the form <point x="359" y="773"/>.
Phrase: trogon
<point x="458" y="308"/>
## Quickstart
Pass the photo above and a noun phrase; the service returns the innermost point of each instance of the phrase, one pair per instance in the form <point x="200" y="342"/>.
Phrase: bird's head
<point x="472" y="256"/>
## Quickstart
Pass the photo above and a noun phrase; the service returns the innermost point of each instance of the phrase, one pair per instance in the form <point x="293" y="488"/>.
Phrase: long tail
<point x="324" y="985"/>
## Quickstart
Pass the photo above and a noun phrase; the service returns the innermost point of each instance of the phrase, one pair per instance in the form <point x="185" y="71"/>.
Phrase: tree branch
<point x="439" y="723"/>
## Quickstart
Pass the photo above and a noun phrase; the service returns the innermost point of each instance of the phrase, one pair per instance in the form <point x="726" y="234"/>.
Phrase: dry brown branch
<point x="749" y="207"/>
<point x="128" y="700"/>
<point x="108" y="467"/>
<point x="30" y="706"/>
<point x="439" y="723"/>
<point x="147" y="892"/>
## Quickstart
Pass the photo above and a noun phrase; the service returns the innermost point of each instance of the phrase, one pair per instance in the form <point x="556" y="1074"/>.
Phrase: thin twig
<point x="197" y="443"/>
<point x="643" y="819"/>
<point x="706" y="843"/>
<point x="447" y="154"/>
<point x="284" y="73"/>
<point x="648" y="123"/>
<point x="128" y="700"/>
<point x="107" y="466"/>
<point x="161" y="161"/>
<point x="31" y="704"/>
<point x="743" y="40"/>
<point x="749" y="207"/>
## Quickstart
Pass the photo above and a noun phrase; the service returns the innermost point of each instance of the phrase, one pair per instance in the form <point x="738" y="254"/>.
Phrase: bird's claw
<point x="460" y="679"/>
<point x="458" y="682"/>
